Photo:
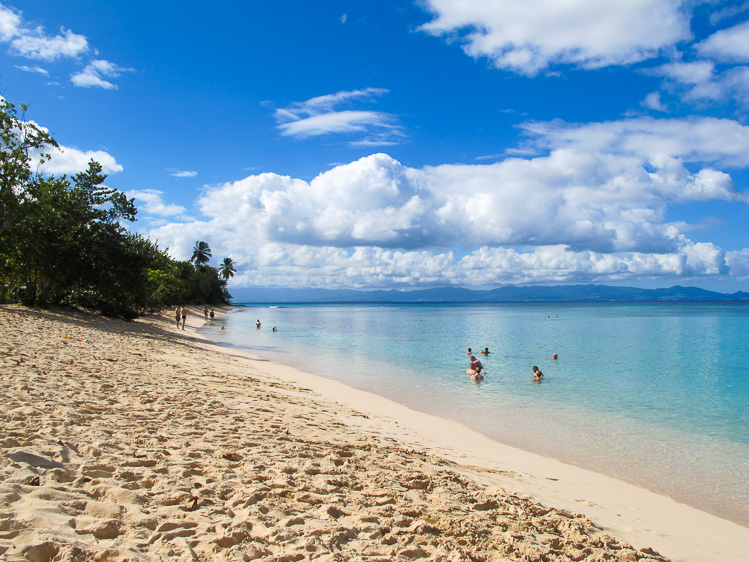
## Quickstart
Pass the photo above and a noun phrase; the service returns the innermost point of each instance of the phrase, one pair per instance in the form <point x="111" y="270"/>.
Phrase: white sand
<point x="132" y="441"/>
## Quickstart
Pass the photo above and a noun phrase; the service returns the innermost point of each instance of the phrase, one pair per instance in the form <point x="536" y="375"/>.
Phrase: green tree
<point x="201" y="253"/>
<point x="18" y="182"/>
<point x="63" y="241"/>
<point x="227" y="269"/>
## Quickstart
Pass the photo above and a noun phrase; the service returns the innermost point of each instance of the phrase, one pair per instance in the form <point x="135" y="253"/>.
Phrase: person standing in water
<point x="537" y="374"/>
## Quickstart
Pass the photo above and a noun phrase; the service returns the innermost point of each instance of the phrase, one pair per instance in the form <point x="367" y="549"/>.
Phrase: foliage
<point x="201" y="253"/>
<point x="63" y="243"/>
<point x="227" y="269"/>
<point x="18" y="182"/>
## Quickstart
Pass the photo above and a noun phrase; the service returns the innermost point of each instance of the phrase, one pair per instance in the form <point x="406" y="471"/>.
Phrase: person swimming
<point x="476" y="366"/>
<point x="485" y="351"/>
<point x="537" y="374"/>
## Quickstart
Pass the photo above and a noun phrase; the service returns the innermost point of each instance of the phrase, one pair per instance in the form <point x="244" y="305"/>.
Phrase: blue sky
<point x="402" y="144"/>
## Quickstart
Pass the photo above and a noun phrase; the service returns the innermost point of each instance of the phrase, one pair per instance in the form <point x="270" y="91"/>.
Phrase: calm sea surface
<point x="655" y="394"/>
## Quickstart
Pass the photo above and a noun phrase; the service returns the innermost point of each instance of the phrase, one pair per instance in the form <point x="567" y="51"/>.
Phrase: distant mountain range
<point x="555" y="293"/>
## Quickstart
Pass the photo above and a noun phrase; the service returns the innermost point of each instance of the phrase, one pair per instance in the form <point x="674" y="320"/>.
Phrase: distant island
<point x="509" y="294"/>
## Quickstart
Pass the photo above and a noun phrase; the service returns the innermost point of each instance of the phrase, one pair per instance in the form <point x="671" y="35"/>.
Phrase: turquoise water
<point x="655" y="394"/>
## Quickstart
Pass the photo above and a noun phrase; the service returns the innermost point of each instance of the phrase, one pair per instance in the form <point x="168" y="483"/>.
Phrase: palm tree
<point x="226" y="269"/>
<point x="201" y="253"/>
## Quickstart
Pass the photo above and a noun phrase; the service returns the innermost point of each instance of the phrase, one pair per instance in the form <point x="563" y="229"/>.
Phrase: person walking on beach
<point x="258" y="323"/>
<point x="184" y="317"/>
<point x="205" y="313"/>
<point x="212" y="315"/>
<point x="178" y="315"/>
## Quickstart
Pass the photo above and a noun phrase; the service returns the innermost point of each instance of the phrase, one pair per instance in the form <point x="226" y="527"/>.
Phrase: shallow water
<point x="655" y="394"/>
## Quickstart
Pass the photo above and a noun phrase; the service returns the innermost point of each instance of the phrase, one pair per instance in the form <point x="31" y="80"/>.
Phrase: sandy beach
<point x="136" y="441"/>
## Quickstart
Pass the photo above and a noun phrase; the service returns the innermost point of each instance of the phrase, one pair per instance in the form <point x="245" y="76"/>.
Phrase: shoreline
<point x="632" y="512"/>
<point x="191" y="375"/>
<point x="696" y="464"/>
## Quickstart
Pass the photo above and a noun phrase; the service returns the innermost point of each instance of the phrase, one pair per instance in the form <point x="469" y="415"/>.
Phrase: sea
<point x="656" y="394"/>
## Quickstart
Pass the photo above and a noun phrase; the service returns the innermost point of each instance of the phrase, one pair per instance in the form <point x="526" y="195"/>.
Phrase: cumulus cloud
<point x="738" y="261"/>
<point x="151" y="202"/>
<point x="591" y="210"/>
<point x="527" y="37"/>
<point x="702" y="82"/>
<point x="41" y="47"/>
<point x="34" y="43"/>
<point x="67" y="160"/>
<point x="721" y="142"/>
<point x="320" y="116"/>
<point x="95" y="72"/>
<point x="731" y="45"/>
<point x="653" y="101"/>
<point x="10" y="23"/>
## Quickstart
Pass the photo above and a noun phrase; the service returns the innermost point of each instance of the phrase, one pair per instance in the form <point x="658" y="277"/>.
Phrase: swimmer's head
<point x="535" y="368"/>
<point x="555" y="356"/>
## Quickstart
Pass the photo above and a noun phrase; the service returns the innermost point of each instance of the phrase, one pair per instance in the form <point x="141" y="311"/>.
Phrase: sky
<point x="379" y="144"/>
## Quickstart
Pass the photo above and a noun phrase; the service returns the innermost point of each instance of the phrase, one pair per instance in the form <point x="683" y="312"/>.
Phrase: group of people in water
<point x="474" y="371"/>
<point x="258" y="325"/>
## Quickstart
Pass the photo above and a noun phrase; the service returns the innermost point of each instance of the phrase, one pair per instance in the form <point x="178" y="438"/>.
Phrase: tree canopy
<point x="64" y="242"/>
<point x="201" y="253"/>
<point x="227" y="269"/>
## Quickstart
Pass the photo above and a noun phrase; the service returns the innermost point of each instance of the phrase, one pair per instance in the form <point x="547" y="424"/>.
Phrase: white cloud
<point x="34" y="69"/>
<point x="687" y="72"/>
<point x="35" y="45"/>
<point x="151" y="202"/>
<point x="10" y="23"/>
<point x="738" y="261"/>
<point x="731" y="45"/>
<point x="593" y="210"/>
<point x="334" y="122"/>
<point x="319" y="116"/>
<point x="653" y="101"/>
<point x="722" y="142"/>
<point x="701" y="82"/>
<point x="728" y="12"/>
<point x="529" y="36"/>
<point x="94" y="73"/>
<point x="183" y="173"/>
<point x="66" y="160"/>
